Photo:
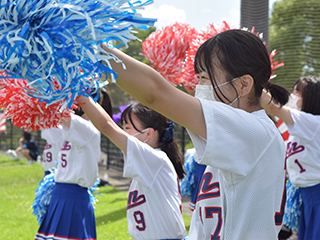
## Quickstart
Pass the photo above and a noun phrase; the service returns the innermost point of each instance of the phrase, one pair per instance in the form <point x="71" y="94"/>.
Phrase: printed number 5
<point x="138" y="216"/>
<point x="64" y="160"/>
<point x="209" y="214"/>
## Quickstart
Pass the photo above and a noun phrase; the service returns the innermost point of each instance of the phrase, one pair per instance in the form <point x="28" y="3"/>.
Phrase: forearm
<point x="103" y="122"/>
<point x="281" y="112"/>
<point x="138" y="79"/>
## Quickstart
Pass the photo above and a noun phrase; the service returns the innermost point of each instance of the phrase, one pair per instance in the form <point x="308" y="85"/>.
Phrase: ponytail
<point x="170" y="147"/>
<point x="279" y="94"/>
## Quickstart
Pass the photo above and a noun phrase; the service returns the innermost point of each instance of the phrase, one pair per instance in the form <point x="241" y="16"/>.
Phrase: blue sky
<point x="198" y="13"/>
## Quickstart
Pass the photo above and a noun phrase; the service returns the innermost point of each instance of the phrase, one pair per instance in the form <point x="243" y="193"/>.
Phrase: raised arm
<point x="104" y="123"/>
<point x="151" y="89"/>
<point x="283" y="113"/>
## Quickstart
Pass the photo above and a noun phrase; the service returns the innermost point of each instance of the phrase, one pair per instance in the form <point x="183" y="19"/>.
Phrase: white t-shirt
<point x="249" y="154"/>
<point x="55" y="140"/>
<point x="303" y="149"/>
<point x="154" y="200"/>
<point x="207" y="216"/>
<point x="79" y="156"/>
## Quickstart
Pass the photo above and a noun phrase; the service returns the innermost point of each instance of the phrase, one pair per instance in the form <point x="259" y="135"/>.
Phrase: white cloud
<point x="233" y="18"/>
<point x="166" y="15"/>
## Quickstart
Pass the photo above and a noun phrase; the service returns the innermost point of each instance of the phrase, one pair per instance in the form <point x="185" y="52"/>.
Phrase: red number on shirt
<point x="138" y="217"/>
<point x="300" y="166"/>
<point x="48" y="157"/>
<point x="64" y="160"/>
<point x="209" y="214"/>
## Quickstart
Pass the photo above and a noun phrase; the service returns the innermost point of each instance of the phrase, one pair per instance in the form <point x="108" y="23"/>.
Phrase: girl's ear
<point x="150" y="133"/>
<point x="246" y="84"/>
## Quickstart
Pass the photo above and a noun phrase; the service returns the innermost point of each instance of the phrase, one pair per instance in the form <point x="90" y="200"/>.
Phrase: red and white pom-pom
<point x="190" y="79"/>
<point x="166" y="48"/>
<point x="274" y="64"/>
<point x="27" y="112"/>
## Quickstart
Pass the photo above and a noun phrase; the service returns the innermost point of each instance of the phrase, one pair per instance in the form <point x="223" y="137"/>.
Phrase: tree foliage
<point x="295" y="33"/>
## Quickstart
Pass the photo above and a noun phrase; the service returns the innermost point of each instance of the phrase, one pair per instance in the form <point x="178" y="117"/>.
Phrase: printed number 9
<point x="48" y="157"/>
<point x="138" y="217"/>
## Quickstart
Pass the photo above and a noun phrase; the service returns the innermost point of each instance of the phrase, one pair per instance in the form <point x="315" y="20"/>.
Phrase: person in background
<point x="70" y="214"/>
<point x="303" y="149"/>
<point x="154" y="162"/>
<point x="28" y="148"/>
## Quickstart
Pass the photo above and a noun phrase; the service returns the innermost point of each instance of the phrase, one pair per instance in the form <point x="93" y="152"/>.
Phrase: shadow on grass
<point x="111" y="217"/>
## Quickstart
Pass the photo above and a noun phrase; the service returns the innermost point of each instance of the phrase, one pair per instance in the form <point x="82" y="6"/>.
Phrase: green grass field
<point x="18" y="181"/>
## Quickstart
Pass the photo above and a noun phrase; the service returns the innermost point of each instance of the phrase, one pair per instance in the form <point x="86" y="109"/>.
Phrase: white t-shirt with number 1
<point x="303" y="149"/>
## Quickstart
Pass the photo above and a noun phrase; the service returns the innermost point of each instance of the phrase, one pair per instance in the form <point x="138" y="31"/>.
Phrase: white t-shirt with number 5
<point x="79" y="155"/>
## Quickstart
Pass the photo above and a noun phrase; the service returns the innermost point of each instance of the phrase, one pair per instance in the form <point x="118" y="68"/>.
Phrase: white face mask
<point x="140" y="133"/>
<point x="292" y="103"/>
<point x="206" y="92"/>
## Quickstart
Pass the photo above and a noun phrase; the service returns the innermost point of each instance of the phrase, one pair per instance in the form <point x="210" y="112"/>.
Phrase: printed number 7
<point x="138" y="217"/>
<point x="209" y="214"/>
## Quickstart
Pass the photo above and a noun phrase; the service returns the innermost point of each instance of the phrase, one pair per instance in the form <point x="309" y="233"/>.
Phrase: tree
<point x="295" y="33"/>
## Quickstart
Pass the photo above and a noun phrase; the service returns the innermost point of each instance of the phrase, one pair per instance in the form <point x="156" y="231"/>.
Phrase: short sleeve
<point x="236" y="139"/>
<point x="306" y="125"/>
<point x="81" y="131"/>
<point x="142" y="162"/>
<point x="53" y="135"/>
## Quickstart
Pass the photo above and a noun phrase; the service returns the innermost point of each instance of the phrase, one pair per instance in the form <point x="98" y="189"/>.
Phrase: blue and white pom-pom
<point x="93" y="190"/>
<point x="43" y="40"/>
<point x="293" y="207"/>
<point x="187" y="184"/>
<point x="43" y="196"/>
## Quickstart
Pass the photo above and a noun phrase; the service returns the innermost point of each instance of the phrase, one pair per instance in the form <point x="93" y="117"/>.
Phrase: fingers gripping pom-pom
<point x="25" y="111"/>
<point x="166" y="49"/>
<point x="41" y="39"/>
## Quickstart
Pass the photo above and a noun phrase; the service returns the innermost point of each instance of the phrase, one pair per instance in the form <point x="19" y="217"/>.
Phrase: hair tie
<point x="268" y="84"/>
<point x="168" y="133"/>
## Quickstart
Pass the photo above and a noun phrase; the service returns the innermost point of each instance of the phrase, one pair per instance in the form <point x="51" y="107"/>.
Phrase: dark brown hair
<point x="309" y="87"/>
<point x="151" y="119"/>
<point x="238" y="53"/>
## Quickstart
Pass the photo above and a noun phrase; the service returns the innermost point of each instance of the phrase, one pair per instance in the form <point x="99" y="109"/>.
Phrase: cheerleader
<point x="70" y="214"/>
<point x="153" y="161"/>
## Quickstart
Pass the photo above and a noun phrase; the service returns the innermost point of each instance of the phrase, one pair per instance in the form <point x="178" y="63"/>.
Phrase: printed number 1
<point x="300" y="166"/>
<point x="209" y="214"/>
<point x="138" y="217"/>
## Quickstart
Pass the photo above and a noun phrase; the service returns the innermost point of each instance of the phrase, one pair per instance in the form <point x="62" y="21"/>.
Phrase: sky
<point x="197" y="13"/>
